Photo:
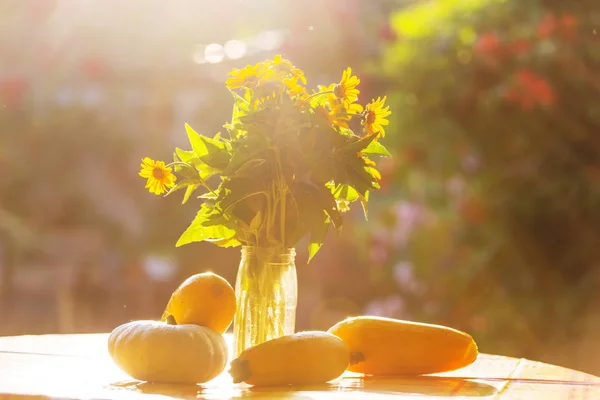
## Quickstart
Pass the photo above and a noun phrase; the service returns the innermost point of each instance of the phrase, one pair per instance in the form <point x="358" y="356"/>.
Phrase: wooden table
<point x="78" y="366"/>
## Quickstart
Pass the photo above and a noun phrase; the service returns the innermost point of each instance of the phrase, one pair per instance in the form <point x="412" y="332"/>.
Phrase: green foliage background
<point x="497" y="139"/>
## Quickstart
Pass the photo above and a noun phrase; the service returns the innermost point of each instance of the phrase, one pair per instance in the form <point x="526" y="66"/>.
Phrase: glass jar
<point x="266" y="290"/>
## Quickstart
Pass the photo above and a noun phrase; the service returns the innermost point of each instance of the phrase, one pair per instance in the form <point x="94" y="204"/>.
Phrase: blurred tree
<point x="497" y="148"/>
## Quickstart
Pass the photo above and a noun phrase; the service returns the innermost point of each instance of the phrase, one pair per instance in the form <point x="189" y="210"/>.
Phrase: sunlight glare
<point x="214" y="53"/>
<point x="269" y="40"/>
<point x="198" y="55"/>
<point x="235" y="49"/>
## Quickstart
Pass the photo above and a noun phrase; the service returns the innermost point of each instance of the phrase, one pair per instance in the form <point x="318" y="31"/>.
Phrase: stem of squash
<point x="356" y="357"/>
<point x="171" y="320"/>
<point x="240" y="371"/>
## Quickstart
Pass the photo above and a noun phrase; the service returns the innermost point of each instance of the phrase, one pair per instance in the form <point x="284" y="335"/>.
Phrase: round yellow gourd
<point x="303" y="358"/>
<point x="205" y="299"/>
<point x="385" y="346"/>
<point x="154" y="351"/>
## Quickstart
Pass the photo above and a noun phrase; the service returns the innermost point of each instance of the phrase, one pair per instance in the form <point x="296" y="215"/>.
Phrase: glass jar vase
<point x="266" y="290"/>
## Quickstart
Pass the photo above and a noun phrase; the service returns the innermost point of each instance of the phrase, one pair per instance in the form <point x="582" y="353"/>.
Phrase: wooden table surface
<point x="78" y="366"/>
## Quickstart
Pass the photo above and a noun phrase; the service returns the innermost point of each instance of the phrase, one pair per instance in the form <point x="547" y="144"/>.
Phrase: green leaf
<point x="323" y="197"/>
<point x="188" y="192"/>
<point x="249" y="168"/>
<point x="359" y="145"/>
<point x="190" y="157"/>
<point x="374" y="173"/>
<point x="211" y="151"/>
<point x="242" y="104"/>
<point x="204" y="228"/>
<point x="235" y="191"/>
<point x="209" y="196"/>
<point x="250" y="153"/>
<point x="362" y="177"/>
<point x="345" y="192"/>
<point x="240" y="108"/>
<point x="350" y="170"/>
<point x="185" y="155"/>
<point x="376" y="149"/>
<point x="189" y="183"/>
<point x="317" y="235"/>
<point x="193" y="174"/>
<point x="233" y="242"/>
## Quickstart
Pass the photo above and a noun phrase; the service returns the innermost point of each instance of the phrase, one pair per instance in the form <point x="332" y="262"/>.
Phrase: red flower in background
<point x="550" y="24"/>
<point x="547" y="26"/>
<point x="519" y="47"/>
<point x="488" y="43"/>
<point x="530" y="90"/>
<point x="12" y="90"/>
<point x="568" y="26"/>
<point x="568" y="21"/>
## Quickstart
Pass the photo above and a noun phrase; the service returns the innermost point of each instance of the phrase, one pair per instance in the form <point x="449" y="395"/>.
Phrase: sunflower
<point x="158" y="174"/>
<point x="247" y="77"/>
<point x="294" y="88"/>
<point x="374" y="117"/>
<point x="346" y="90"/>
<point x="280" y="68"/>
<point x="341" y="115"/>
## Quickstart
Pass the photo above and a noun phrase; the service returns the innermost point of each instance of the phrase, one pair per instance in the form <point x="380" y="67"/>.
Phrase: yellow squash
<point x="385" y="346"/>
<point x="303" y="358"/>
<point x="205" y="299"/>
<point x="154" y="351"/>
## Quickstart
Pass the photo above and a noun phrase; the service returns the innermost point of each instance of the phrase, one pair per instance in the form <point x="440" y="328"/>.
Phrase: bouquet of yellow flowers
<point x="288" y="166"/>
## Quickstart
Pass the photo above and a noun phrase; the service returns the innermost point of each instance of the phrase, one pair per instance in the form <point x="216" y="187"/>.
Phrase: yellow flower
<point x="354" y="109"/>
<point x="280" y="68"/>
<point x="158" y="174"/>
<point x="374" y="117"/>
<point x="342" y="115"/>
<point x="294" y="87"/>
<point x="247" y="77"/>
<point x="346" y="90"/>
<point x="280" y="75"/>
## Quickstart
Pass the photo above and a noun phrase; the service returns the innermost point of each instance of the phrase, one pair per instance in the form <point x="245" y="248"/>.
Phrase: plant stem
<point x="317" y="94"/>
<point x="202" y="181"/>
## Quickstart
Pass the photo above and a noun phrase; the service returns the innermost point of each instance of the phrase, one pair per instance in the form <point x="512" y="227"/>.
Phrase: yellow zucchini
<point x="385" y="346"/>
<point x="303" y="358"/>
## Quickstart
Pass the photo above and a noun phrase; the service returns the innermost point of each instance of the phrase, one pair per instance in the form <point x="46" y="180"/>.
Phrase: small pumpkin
<point x="155" y="351"/>
<point x="303" y="358"/>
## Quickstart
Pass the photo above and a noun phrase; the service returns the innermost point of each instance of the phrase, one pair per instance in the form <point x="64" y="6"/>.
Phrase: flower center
<point x="339" y="91"/>
<point x="158" y="173"/>
<point x="370" y="117"/>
